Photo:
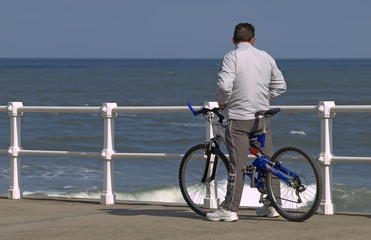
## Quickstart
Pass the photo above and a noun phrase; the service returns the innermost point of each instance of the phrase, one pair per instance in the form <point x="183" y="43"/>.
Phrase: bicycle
<point x="203" y="173"/>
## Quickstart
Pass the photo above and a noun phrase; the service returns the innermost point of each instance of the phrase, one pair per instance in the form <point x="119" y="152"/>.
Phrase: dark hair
<point x="244" y="32"/>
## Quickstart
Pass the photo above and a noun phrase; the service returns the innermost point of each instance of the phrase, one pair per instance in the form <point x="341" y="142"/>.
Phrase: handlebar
<point x="205" y="111"/>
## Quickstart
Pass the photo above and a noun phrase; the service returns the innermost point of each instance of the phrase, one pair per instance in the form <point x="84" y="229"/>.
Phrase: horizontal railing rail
<point x="326" y="111"/>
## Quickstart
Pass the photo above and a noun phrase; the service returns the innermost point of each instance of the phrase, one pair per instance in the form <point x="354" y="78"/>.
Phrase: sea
<point x="169" y="82"/>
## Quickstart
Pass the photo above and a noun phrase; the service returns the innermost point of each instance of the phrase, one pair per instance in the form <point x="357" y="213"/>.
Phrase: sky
<point x="182" y="28"/>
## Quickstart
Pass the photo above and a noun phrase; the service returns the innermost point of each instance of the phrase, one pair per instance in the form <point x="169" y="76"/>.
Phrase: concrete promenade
<point x="58" y="218"/>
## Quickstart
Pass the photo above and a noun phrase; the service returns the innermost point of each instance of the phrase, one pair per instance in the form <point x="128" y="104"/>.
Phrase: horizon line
<point x="186" y="58"/>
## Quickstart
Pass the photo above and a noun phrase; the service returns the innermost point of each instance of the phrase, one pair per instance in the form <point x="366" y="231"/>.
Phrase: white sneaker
<point x="222" y="215"/>
<point x="267" y="211"/>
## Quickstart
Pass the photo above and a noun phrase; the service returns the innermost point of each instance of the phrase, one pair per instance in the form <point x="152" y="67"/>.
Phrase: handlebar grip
<point x="191" y="108"/>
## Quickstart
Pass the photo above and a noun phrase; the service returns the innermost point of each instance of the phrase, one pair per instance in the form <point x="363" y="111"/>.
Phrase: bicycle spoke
<point x="191" y="172"/>
<point x="300" y="200"/>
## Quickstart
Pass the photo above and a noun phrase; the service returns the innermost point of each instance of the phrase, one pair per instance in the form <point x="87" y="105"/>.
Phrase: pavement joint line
<point x="49" y="219"/>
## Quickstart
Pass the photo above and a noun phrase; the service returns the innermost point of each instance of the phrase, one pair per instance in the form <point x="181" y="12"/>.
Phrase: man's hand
<point x="222" y="106"/>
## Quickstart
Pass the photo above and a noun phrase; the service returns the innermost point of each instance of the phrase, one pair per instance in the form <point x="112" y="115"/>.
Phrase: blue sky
<point x="182" y="28"/>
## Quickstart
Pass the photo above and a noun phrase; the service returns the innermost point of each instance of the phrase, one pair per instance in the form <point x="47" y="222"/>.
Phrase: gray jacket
<point x="248" y="78"/>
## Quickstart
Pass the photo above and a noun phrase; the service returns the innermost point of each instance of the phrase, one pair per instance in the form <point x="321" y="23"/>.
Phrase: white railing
<point x="325" y="109"/>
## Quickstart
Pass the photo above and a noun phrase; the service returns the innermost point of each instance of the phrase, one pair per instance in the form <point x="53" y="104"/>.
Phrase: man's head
<point x="244" y="32"/>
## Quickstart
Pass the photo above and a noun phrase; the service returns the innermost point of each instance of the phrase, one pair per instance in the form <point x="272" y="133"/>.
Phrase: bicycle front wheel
<point x="300" y="199"/>
<point x="202" y="195"/>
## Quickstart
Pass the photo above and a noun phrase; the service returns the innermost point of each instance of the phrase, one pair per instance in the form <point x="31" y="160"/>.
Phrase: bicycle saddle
<point x="269" y="113"/>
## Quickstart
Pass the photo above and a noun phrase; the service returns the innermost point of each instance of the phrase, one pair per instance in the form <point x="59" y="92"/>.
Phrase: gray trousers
<point x="237" y="139"/>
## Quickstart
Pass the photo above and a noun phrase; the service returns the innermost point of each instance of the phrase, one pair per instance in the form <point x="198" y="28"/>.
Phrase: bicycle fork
<point x="211" y="199"/>
<point x="211" y="163"/>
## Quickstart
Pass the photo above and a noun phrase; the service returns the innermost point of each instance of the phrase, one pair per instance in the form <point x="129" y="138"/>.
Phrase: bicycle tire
<point x="191" y="171"/>
<point x="285" y="199"/>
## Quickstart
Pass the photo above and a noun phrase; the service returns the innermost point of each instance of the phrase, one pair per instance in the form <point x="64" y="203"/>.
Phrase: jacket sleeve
<point x="226" y="77"/>
<point x="277" y="84"/>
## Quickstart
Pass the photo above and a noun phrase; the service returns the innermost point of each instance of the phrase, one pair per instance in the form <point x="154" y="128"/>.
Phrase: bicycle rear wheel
<point x="203" y="196"/>
<point x="301" y="200"/>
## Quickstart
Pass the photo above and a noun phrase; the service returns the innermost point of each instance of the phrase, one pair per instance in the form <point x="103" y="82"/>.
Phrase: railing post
<point x="15" y="145"/>
<point x="211" y="200"/>
<point x="325" y="157"/>
<point x="107" y="196"/>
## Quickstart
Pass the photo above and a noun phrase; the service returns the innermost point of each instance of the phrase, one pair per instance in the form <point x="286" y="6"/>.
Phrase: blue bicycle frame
<point x="262" y="163"/>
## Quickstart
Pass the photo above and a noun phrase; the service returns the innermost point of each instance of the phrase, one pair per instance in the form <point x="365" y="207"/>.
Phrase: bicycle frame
<point x="260" y="165"/>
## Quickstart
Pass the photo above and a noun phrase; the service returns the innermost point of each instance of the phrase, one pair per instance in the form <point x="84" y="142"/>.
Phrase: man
<point x="247" y="80"/>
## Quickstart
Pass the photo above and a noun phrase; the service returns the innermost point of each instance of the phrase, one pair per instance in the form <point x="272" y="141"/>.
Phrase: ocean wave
<point x="161" y="194"/>
<point x="4" y="173"/>
<point x="351" y="199"/>
<point x="178" y="124"/>
<point x="298" y="132"/>
<point x="170" y="194"/>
